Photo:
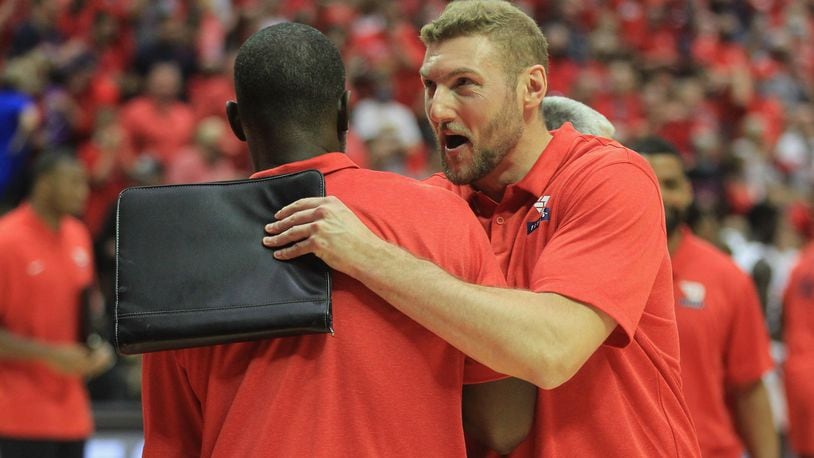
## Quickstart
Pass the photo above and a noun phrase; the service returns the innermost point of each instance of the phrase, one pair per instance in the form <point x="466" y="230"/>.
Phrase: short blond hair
<point x="513" y="32"/>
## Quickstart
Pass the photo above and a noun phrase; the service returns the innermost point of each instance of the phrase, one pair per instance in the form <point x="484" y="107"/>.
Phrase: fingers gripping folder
<point x="191" y="269"/>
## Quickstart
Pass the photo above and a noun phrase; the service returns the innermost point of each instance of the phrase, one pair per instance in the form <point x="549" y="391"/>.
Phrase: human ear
<point x="234" y="120"/>
<point x="536" y="86"/>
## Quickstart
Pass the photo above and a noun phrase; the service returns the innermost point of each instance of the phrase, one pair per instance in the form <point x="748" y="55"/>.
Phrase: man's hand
<point x="325" y="227"/>
<point x="76" y="359"/>
<point x="71" y="359"/>
<point x="101" y="359"/>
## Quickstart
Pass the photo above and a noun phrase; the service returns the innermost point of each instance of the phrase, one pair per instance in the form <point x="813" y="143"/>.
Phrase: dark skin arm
<point x="498" y="415"/>
<point x="753" y="417"/>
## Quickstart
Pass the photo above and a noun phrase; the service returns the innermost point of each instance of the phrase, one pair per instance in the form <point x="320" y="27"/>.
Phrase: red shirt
<point x="42" y="275"/>
<point x="587" y="223"/>
<point x="158" y="131"/>
<point x="381" y="386"/>
<point x="724" y="342"/>
<point x="798" y="328"/>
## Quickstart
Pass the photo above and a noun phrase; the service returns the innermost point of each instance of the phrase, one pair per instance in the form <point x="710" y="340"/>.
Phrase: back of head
<point x="654" y="145"/>
<point x="559" y="110"/>
<point x="513" y="32"/>
<point x="289" y="79"/>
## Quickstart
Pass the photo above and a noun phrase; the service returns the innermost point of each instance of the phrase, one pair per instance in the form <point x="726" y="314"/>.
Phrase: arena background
<point x="729" y="82"/>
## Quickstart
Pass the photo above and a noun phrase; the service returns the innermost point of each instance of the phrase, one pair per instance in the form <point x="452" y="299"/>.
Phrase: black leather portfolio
<point x="191" y="269"/>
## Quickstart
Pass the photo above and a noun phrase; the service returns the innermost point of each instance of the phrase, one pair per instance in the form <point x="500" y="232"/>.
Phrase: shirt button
<point x="499" y="220"/>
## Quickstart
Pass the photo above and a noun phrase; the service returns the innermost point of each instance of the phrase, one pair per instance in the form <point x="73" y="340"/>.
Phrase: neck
<point x="270" y="154"/>
<point x="517" y="163"/>
<point x="46" y="214"/>
<point x="674" y="240"/>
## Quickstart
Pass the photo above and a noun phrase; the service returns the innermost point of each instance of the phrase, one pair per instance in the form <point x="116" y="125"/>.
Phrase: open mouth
<point x="454" y="141"/>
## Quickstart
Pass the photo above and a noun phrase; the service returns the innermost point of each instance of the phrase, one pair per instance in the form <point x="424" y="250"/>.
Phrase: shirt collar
<point x="325" y="163"/>
<point x="550" y="160"/>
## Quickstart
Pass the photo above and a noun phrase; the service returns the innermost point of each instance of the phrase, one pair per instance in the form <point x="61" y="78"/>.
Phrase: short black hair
<point x="50" y="159"/>
<point x="653" y="145"/>
<point x="289" y="75"/>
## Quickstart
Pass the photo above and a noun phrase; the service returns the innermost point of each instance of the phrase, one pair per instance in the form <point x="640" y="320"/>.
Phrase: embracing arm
<point x="753" y="416"/>
<point x="543" y="338"/>
<point x="499" y="415"/>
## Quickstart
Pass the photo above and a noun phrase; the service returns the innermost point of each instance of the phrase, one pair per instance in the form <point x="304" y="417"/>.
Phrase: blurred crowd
<point x="136" y="89"/>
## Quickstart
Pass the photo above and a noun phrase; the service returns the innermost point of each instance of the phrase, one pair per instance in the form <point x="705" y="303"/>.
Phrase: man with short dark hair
<point x="723" y="336"/>
<point x="383" y="385"/>
<point x="45" y="270"/>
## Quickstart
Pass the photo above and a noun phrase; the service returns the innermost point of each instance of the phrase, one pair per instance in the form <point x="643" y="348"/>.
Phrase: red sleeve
<point x="483" y="269"/>
<point x="747" y="355"/>
<point x="172" y="412"/>
<point x="609" y="246"/>
<point x="798" y="324"/>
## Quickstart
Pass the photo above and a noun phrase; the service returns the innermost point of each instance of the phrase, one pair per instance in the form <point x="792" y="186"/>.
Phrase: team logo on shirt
<point x="542" y="209"/>
<point x="693" y="294"/>
<point x="80" y="257"/>
<point x="35" y="268"/>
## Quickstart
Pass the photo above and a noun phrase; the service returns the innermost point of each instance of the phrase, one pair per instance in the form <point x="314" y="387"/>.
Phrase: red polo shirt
<point x="42" y="275"/>
<point x="587" y="223"/>
<point x="160" y="131"/>
<point x="798" y="329"/>
<point x="381" y="386"/>
<point x="724" y="342"/>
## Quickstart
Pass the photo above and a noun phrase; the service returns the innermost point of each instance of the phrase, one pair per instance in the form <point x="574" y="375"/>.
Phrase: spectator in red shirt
<point x="46" y="266"/>
<point x="798" y="335"/>
<point x="723" y="335"/>
<point x="158" y="124"/>
<point x="204" y="161"/>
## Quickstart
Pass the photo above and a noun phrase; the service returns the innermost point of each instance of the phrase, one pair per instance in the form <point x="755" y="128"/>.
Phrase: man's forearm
<point x="13" y="346"/>
<point x="754" y="420"/>
<point x="540" y="337"/>
<point x="543" y="338"/>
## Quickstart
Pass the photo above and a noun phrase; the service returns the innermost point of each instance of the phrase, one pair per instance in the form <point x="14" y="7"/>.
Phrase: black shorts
<point x="41" y="448"/>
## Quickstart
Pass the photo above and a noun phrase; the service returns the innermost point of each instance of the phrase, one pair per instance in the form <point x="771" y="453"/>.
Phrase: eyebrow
<point x="453" y="73"/>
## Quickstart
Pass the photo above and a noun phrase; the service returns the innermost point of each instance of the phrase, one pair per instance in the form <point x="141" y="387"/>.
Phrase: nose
<point x="439" y="106"/>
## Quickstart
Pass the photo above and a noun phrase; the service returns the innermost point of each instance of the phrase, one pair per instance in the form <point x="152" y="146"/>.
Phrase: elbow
<point x="549" y="380"/>
<point x="551" y="372"/>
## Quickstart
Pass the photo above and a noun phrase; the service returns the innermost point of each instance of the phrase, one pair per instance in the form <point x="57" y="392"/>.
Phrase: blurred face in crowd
<point x="676" y="191"/>
<point x="66" y="188"/>
<point x="164" y="82"/>
<point x="472" y="105"/>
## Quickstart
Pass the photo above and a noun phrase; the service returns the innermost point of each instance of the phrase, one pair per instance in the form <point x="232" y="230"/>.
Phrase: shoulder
<point x="76" y="230"/>
<point x="10" y="226"/>
<point x="598" y="152"/>
<point x="712" y="260"/>
<point x="385" y="188"/>
<point x="589" y="160"/>
<point x="400" y="206"/>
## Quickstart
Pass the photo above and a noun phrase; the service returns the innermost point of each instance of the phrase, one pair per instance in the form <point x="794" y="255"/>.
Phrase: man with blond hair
<point x="577" y="224"/>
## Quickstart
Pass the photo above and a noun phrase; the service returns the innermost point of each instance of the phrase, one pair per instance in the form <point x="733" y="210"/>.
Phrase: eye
<point x="463" y="82"/>
<point x="670" y="183"/>
<point x="429" y="86"/>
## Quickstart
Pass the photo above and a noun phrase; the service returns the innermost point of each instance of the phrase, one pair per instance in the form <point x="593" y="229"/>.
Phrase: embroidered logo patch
<point x="35" y="268"/>
<point x="693" y="294"/>
<point x="542" y="209"/>
<point x="80" y="257"/>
